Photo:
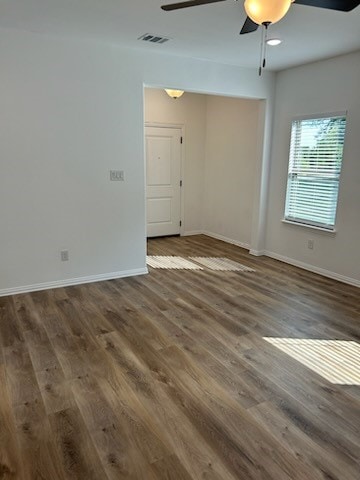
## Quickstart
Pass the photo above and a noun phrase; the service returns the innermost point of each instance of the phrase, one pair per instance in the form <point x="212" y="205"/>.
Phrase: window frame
<point x="305" y="222"/>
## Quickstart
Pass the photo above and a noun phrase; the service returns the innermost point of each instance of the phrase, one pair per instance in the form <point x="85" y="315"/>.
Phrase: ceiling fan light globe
<point x="266" y="11"/>
<point x="174" y="93"/>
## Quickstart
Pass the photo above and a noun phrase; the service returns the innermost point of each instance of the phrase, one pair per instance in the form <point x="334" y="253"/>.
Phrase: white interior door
<point x="163" y="170"/>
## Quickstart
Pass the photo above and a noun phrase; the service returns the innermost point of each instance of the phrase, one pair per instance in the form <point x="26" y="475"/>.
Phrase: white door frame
<point x="182" y="168"/>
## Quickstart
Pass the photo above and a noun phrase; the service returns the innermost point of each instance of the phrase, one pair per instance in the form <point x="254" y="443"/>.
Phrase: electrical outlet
<point x="64" y="255"/>
<point x="117" y="175"/>
<point x="311" y="244"/>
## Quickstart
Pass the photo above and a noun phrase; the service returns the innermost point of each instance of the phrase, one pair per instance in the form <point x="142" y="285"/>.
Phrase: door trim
<point x="182" y="167"/>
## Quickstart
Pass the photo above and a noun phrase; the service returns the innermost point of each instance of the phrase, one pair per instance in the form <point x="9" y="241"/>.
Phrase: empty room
<point x="179" y="240"/>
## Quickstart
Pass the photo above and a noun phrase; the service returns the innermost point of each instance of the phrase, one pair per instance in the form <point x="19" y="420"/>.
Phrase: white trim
<point x="73" y="281"/>
<point x="312" y="268"/>
<point x="217" y="237"/>
<point x="192" y="232"/>
<point x="164" y="125"/>
<point x="342" y="113"/>
<point x="226" y="239"/>
<point x="307" y="225"/>
<point x="257" y="253"/>
<point x="282" y="258"/>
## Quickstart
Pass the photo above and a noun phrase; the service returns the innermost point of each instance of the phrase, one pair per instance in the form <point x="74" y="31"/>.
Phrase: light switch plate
<point x="64" y="255"/>
<point x="117" y="175"/>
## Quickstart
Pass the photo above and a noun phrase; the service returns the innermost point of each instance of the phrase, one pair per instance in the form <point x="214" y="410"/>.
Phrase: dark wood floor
<point x="167" y="376"/>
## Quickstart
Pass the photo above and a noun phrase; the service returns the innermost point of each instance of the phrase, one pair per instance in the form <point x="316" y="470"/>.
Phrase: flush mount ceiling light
<point x="174" y="93"/>
<point x="266" y="11"/>
<point x="273" y="42"/>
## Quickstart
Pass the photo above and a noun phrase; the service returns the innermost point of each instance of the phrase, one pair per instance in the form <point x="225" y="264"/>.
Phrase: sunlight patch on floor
<point x="336" y="360"/>
<point x="196" y="263"/>
<point x="171" y="263"/>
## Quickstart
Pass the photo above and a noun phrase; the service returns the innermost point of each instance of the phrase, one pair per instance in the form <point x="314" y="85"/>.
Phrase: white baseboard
<point x="226" y="239"/>
<point x="142" y="271"/>
<point x="312" y="268"/>
<point x="72" y="281"/>
<point x="282" y="258"/>
<point x="192" y="232"/>
<point x="257" y="253"/>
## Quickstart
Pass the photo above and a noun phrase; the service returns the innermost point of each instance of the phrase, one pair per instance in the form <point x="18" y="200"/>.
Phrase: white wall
<point x="189" y="111"/>
<point x="231" y="152"/>
<point x="323" y="87"/>
<point x="70" y="111"/>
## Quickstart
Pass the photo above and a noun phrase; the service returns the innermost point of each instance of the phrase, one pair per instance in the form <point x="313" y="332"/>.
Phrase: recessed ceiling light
<point x="273" y="41"/>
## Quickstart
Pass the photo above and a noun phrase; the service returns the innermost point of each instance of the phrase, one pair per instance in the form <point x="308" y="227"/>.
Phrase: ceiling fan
<point x="265" y="12"/>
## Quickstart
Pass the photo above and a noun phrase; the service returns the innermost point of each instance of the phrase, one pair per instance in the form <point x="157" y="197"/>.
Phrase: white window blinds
<point x="316" y="153"/>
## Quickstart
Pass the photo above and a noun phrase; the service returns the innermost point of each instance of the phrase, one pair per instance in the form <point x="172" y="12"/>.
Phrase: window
<point x="316" y="153"/>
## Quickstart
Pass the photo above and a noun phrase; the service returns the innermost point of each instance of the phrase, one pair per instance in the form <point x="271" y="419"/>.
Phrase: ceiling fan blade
<point x="249" y="26"/>
<point x="191" y="3"/>
<point x="341" y="5"/>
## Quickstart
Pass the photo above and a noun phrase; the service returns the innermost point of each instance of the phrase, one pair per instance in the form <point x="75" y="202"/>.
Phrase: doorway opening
<point x="209" y="183"/>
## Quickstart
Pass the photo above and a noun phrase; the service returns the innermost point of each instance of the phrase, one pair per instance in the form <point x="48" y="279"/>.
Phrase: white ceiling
<point x="209" y="32"/>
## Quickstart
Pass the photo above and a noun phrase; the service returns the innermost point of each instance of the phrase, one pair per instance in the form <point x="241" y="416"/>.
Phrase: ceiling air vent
<point x="149" y="37"/>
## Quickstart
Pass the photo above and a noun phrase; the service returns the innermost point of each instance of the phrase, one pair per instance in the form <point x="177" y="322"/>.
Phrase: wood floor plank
<point x="109" y="437"/>
<point x="10" y="461"/>
<point x="140" y="427"/>
<point x="302" y="420"/>
<point x="194" y="326"/>
<point x="170" y="468"/>
<point x="168" y="376"/>
<point x="234" y="465"/>
<point x="234" y="424"/>
<point x="311" y="391"/>
<point x="21" y="380"/>
<point x="10" y="332"/>
<point x="27" y="315"/>
<point x="299" y="443"/>
<point x="179" y="433"/>
<point x="54" y="387"/>
<point x="74" y="446"/>
<point x="39" y="456"/>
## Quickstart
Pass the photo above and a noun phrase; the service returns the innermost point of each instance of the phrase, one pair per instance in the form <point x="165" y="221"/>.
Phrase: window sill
<point x="312" y="227"/>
